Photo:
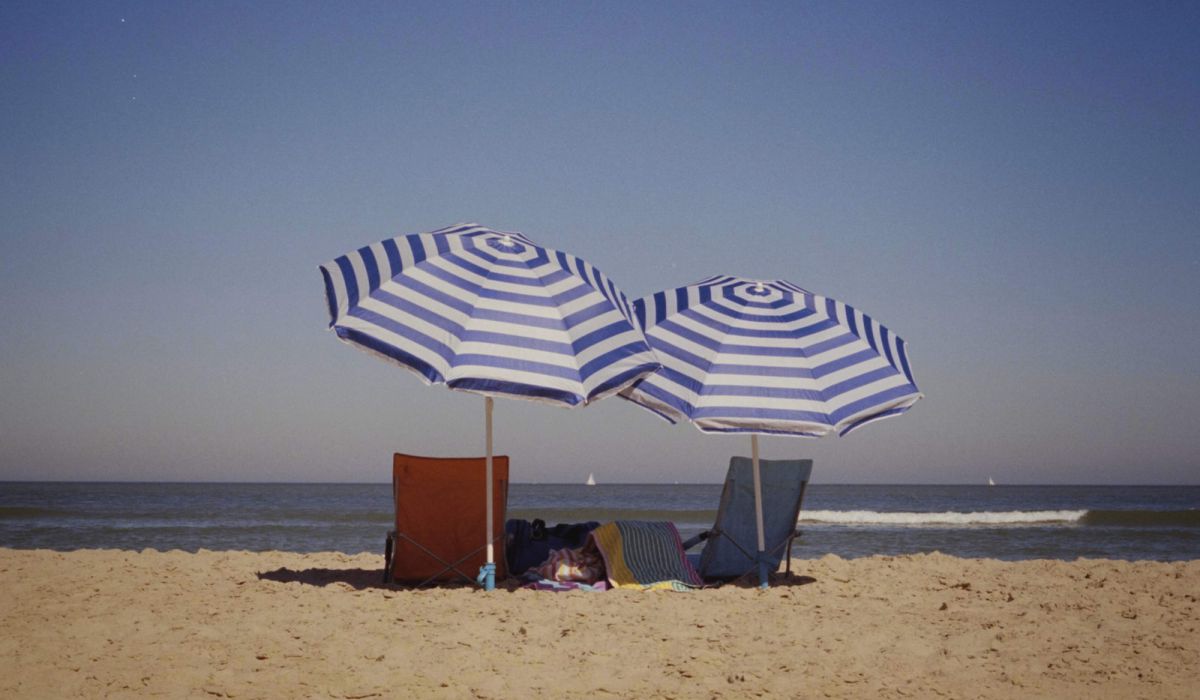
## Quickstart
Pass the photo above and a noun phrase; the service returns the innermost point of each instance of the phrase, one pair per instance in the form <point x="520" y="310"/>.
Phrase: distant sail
<point x="591" y="479"/>
<point x="990" y="482"/>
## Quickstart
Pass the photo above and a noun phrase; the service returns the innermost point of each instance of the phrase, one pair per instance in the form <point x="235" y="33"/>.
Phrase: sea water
<point x="1004" y="522"/>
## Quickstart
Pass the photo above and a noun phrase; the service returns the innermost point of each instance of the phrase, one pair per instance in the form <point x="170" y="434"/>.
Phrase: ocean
<point x="1004" y="522"/>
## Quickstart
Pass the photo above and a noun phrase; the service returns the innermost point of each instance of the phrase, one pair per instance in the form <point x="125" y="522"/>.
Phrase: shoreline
<point x="121" y="623"/>
<point x="831" y="556"/>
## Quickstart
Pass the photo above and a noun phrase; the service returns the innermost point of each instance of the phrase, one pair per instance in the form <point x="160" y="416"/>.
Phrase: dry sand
<point x="279" y="625"/>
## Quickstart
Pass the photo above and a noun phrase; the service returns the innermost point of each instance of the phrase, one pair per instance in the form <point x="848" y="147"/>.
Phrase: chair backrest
<point x="783" y="484"/>
<point x="441" y="507"/>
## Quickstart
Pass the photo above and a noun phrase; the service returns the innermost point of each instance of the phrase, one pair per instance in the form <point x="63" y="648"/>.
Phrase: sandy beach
<point x="107" y="623"/>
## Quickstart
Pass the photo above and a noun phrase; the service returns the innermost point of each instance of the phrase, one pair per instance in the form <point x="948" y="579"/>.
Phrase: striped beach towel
<point x="644" y="556"/>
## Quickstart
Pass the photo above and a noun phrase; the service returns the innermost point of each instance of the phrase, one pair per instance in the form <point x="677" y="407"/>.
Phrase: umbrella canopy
<point x="748" y="356"/>
<point x="488" y="312"/>
<point x="492" y="313"/>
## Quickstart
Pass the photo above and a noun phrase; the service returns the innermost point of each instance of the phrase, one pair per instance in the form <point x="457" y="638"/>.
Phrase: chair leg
<point x="387" y="558"/>
<point x="790" y="541"/>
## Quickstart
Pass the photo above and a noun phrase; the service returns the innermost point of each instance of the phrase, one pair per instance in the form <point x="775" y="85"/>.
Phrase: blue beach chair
<point x="731" y="549"/>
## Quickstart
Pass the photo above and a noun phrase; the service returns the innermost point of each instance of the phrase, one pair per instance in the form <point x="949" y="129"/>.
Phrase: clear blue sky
<point x="1012" y="187"/>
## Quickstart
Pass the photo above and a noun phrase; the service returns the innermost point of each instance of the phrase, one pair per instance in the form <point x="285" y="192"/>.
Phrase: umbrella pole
<point x="758" y="513"/>
<point x="488" y="572"/>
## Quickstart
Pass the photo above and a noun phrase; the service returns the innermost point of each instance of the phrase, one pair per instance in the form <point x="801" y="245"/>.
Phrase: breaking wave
<point x="1105" y="518"/>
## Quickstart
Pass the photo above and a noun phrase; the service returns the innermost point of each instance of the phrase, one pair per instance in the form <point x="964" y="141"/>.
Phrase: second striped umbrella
<point x="747" y="356"/>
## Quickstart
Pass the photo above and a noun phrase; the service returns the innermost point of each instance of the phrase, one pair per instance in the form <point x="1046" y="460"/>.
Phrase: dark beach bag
<point x="529" y="542"/>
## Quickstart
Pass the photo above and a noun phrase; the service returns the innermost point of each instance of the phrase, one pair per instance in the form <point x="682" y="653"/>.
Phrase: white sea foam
<point x="870" y="517"/>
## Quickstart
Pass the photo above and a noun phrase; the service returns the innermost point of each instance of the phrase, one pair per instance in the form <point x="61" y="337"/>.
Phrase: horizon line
<point x="575" y="483"/>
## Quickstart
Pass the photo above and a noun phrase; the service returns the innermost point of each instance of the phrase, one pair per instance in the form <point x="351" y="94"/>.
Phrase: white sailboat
<point x="990" y="482"/>
<point x="591" y="481"/>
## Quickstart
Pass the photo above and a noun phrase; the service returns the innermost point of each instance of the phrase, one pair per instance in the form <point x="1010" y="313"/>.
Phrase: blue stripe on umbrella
<point x="410" y="307"/>
<point x="507" y="388"/>
<point x="842" y="363"/>
<point x="330" y="296"/>
<point x="758" y="414"/>
<point x="741" y="314"/>
<point x="350" y="279"/>
<point x="630" y="350"/>
<point x="599" y="335"/>
<point x="516" y="364"/>
<point x="490" y="261"/>
<point x="733" y="330"/>
<point x="587" y="314"/>
<point x="414" y="289"/>
<point x="724" y="345"/>
<point x="524" y="320"/>
<point x="789" y="431"/>
<point x="762" y="371"/>
<point x="827" y="345"/>
<point x="763" y="392"/>
<point x="901" y="346"/>
<point x="516" y="341"/>
<point x="555" y="301"/>
<point x="418" y="251"/>
<point x="393" y="254"/>
<point x="868" y="402"/>
<point x="672" y="400"/>
<point x="872" y="418"/>
<point x="391" y="352"/>
<point x="859" y="381"/>
<point x="664" y="348"/>
<point x="407" y="332"/>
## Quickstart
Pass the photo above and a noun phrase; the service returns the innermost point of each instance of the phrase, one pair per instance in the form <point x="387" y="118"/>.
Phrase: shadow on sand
<point x="776" y="580"/>
<point x="363" y="579"/>
<point x="359" y="579"/>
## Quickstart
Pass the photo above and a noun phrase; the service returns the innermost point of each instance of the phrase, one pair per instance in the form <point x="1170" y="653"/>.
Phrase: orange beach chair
<point x="441" y="520"/>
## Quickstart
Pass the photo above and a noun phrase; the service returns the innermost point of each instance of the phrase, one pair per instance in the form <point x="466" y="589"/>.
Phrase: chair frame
<point x="389" y="544"/>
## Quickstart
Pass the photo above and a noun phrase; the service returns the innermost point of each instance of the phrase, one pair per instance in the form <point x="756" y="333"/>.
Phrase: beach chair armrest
<point x="693" y="541"/>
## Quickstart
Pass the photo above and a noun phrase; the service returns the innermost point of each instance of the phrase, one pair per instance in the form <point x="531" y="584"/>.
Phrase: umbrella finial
<point x="507" y="240"/>
<point x="758" y="286"/>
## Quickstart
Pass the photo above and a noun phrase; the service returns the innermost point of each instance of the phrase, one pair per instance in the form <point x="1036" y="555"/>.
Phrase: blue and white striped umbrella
<point x="488" y="312"/>
<point x="746" y="356"/>
<point x="491" y="313"/>
<point x="743" y="356"/>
